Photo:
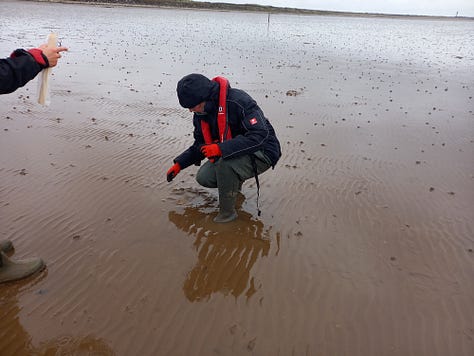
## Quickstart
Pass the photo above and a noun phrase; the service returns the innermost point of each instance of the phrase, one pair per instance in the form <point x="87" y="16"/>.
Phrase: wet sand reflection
<point x="226" y="254"/>
<point x="15" y="340"/>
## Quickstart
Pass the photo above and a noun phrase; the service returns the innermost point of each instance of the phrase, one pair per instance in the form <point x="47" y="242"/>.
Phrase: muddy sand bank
<point x="365" y="242"/>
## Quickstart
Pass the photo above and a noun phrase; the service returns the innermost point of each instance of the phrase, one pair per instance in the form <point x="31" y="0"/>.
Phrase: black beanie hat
<point x="193" y="89"/>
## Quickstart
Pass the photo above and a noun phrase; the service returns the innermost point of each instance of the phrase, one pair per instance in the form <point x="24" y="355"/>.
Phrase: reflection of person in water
<point x="225" y="257"/>
<point x="15" y="340"/>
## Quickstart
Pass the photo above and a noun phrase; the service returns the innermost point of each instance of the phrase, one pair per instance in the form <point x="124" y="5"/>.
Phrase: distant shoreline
<point x="189" y="4"/>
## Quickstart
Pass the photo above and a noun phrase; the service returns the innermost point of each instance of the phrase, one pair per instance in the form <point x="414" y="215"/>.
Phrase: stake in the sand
<point x="44" y="97"/>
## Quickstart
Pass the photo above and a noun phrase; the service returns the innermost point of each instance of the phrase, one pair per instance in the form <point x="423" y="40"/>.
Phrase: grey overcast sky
<point x="409" y="7"/>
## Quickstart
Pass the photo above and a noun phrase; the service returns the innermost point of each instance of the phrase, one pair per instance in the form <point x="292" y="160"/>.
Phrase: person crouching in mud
<point x="231" y="131"/>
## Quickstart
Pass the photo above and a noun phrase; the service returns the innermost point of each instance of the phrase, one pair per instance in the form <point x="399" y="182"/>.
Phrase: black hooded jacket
<point x="251" y="131"/>
<point x="16" y="72"/>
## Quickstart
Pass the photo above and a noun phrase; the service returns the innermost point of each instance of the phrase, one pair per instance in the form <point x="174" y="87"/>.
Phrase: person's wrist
<point x="39" y="57"/>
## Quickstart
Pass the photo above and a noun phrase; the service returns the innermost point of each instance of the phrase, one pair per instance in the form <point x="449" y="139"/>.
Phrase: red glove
<point x="173" y="172"/>
<point x="211" y="151"/>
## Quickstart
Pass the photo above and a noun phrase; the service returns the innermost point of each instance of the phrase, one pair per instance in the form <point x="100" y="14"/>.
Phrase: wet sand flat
<point x="365" y="242"/>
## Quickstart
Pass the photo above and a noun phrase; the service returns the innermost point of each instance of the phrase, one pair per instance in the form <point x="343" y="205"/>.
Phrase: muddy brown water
<point x="365" y="242"/>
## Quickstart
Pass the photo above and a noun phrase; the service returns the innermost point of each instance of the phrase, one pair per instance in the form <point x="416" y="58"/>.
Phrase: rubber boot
<point x="228" y="184"/>
<point x="6" y="246"/>
<point x="13" y="270"/>
<point x="227" y="212"/>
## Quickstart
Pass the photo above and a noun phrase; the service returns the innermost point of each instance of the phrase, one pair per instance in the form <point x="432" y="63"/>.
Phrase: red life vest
<point x="222" y="124"/>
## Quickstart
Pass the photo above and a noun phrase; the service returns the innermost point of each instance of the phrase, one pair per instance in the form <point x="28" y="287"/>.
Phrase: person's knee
<point x="204" y="182"/>
<point x="204" y="179"/>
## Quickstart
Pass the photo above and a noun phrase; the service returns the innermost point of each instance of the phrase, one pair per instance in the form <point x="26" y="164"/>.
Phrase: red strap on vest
<point x="222" y="124"/>
<point x="206" y="132"/>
